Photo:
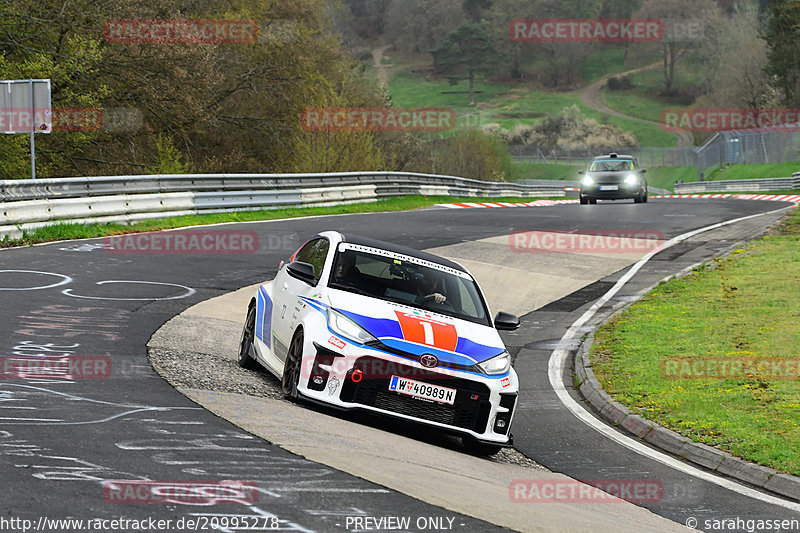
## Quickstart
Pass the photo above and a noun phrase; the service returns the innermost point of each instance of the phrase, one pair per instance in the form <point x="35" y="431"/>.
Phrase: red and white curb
<point x="535" y="203"/>
<point x="546" y="203"/>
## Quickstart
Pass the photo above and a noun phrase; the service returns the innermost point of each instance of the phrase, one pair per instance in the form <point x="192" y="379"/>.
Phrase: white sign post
<point x="25" y="108"/>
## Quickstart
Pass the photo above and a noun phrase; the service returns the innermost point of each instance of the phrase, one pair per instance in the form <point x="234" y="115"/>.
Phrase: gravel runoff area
<point x="209" y="363"/>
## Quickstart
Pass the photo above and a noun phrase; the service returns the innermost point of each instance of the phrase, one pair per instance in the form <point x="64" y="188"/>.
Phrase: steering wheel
<point x="430" y="298"/>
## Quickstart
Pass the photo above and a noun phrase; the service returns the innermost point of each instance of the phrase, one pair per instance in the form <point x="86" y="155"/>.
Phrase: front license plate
<point x="609" y="188"/>
<point x="410" y="387"/>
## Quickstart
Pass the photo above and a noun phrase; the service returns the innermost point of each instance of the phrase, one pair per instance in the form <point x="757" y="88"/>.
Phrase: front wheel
<point x="246" y="348"/>
<point x="584" y="200"/>
<point x="291" y="367"/>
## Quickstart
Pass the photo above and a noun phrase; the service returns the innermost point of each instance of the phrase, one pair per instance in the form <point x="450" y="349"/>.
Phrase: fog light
<point x="319" y="380"/>
<point x="356" y="376"/>
<point x="501" y="423"/>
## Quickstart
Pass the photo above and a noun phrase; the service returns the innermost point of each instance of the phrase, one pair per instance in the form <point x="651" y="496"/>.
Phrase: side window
<point x="314" y="252"/>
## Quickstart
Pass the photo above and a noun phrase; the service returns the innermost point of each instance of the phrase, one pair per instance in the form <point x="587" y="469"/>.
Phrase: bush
<point x="569" y="130"/>
<point x="470" y="154"/>
<point x="619" y="84"/>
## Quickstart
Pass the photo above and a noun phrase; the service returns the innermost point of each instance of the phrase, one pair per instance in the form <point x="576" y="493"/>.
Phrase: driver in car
<point x="428" y="289"/>
<point x="346" y="271"/>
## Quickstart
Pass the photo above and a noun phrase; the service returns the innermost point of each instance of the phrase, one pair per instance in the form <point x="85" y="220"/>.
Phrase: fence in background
<point x="764" y="184"/>
<point x="722" y="148"/>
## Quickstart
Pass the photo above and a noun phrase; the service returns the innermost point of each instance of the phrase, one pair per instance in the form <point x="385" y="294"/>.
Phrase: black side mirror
<point x="302" y="271"/>
<point x="506" y="321"/>
<point x="644" y="171"/>
<point x="580" y="172"/>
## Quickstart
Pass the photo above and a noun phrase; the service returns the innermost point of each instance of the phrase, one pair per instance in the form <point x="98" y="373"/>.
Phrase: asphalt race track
<point x="63" y="440"/>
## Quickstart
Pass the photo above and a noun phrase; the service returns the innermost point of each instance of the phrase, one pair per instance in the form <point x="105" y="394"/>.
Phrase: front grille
<point x="470" y="409"/>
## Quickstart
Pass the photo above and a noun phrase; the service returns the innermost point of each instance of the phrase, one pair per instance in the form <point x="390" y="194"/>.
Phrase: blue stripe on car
<point x="264" y="317"/>
<point x="389" y="331"/>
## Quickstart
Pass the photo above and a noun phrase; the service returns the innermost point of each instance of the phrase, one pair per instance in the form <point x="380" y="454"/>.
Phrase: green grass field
<point x="643" y="101"/>
<point x="505" y="104"/>
<point x="542" y="171"/>
<point x="72" y="230"/>
<point x="741" y="172"/>
<point x="737" y="309"/>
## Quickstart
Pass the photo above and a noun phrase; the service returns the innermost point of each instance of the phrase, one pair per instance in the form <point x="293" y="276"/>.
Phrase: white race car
<point x="355" y="323"/>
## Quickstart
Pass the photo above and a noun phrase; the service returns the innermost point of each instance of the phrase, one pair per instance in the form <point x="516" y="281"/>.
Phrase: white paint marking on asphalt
<point x="64" y="280"/>
<point x="558" y="359"/>
<point x="189" y="291"/>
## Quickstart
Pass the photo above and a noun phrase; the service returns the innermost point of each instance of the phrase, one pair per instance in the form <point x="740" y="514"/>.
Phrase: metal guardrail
<point x="28" y="204"/>
<point x="762" y="184"/>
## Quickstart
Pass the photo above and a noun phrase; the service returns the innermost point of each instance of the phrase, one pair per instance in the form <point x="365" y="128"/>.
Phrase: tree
<point x="467" y="51"/>
<point x="783" y="36"/>
<point x="679" y="39"/>
<point x="563" y="59"/>
<point x="418" y="25"/>
<point x="734" y="57"/>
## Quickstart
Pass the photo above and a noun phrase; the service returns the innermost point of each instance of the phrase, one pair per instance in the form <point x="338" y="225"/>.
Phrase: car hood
<point x="416" y="331"/>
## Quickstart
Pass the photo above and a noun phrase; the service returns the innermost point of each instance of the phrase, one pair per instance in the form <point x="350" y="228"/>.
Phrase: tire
<point x="246" y="348"/>
<point x="476" y="447"/>
<point x="292" y="366"/>
<point x="644" y="197"/>
<point x="637" y="199"/>
<point x="592" y="201"/>
<point x="584" y="200"/>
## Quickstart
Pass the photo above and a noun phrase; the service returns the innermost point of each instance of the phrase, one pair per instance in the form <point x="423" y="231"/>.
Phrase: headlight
<point x="345" y="327"/>
<point x="632" y="179"/>
<point x="497" y="365"/>
<point x="587" y="180"/>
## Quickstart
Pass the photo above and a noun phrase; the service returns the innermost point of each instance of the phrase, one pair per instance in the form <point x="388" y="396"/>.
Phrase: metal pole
<point x="33" y="149"/>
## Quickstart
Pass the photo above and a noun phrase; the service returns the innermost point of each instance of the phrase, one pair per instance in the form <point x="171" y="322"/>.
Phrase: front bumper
<point x="624" y="191"/>
<point x="358" y="379"/>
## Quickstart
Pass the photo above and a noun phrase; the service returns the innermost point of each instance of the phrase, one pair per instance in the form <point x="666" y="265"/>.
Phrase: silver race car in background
<point x="356" y="323"/>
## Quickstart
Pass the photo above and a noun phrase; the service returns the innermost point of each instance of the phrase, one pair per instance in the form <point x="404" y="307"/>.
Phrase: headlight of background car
<point x="497" y="365"/>
<point x="343" y="326"/>
<point x="631" y="179"/>
<point x="587" y="180"/>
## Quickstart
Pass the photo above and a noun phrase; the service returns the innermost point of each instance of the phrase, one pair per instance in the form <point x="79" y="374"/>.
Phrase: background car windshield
<point x="409" y="283"/>
<point x="611" y="165"/>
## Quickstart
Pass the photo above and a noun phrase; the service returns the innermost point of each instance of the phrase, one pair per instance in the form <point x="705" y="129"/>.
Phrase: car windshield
<point x="407" y="280"/>
<point x="611" y="165"/>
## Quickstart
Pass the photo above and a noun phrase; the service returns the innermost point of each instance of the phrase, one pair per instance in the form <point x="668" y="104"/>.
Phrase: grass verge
<point x="73" y="230"/>
<point x="734" y="310"/>
<point x="743" y="172"/>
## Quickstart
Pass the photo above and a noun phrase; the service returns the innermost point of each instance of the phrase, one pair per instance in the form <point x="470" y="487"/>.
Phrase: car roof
<point x="398" y="249"/>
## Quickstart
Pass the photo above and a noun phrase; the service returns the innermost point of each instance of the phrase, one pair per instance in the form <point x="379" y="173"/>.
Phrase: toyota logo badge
<point x="428" y="360"/>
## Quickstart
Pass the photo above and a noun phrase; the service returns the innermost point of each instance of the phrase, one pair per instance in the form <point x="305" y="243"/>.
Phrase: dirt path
<point x="377" y="57"/>
<point x="590" y="95"/>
